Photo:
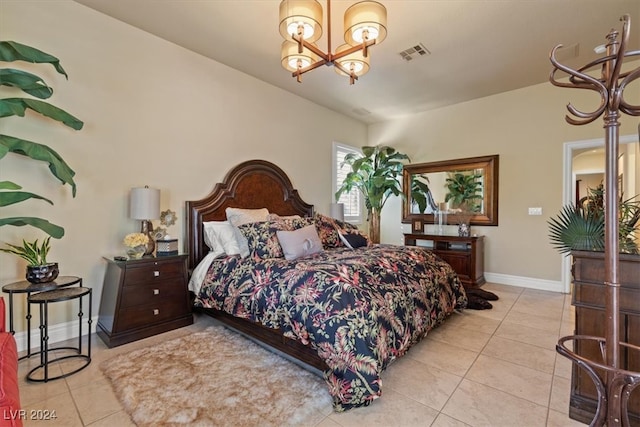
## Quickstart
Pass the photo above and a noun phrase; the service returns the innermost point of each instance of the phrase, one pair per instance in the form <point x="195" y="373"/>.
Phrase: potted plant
<point x="38" y="269"/>
<point x="33" y="85"/>
<point x="376" y="174"/>
<point x="463" y="192"/>
<point x="581" y="227"/>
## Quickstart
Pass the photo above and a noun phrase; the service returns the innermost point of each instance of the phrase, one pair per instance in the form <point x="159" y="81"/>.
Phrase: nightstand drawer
<point x="154" y="293"/>
<point x="130" y="318"/>
<point x="153" y="273"/>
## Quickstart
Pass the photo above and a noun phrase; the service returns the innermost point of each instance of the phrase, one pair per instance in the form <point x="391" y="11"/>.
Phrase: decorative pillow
<point x="301" y="242"/>
<point x="239" y="216"/>
<point x="262" y="240"/>
<point x="353" y="240"/>
<point x="328" y="231"/>
<point x="221" y="236"/>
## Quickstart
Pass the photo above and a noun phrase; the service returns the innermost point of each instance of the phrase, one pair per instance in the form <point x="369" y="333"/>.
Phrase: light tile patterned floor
<point x="481" y="368"/>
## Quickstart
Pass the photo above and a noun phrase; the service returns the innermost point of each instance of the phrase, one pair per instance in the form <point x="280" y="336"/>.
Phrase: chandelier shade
<point x="363" y="21"/>
<point x="292" y="60"/>
<point x="304" y="15"/>
<point x="354" y="62"/>
<point x="365" y="25"/>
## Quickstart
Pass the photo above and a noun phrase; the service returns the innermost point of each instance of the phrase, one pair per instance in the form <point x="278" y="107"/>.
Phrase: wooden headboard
<point x="252" y="184"/>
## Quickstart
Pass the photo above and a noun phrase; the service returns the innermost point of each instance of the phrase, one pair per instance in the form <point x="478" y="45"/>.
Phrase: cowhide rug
<point x="215" y="378"/>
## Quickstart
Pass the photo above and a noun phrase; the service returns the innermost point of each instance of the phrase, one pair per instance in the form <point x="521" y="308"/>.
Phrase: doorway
<point x="628" y="164"/>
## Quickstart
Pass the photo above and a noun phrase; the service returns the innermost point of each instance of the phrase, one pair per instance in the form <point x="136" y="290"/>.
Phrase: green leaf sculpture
<point x="36" y="87"/>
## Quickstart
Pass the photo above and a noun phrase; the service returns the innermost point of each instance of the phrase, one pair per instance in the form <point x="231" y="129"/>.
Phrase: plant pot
<point x="42" y="273"/>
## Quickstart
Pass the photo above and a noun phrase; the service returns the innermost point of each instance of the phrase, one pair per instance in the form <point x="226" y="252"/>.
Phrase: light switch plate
<point x="535" y="211"/>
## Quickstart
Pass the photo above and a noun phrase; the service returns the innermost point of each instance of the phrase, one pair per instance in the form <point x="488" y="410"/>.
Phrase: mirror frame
<point x="490" y="164"/>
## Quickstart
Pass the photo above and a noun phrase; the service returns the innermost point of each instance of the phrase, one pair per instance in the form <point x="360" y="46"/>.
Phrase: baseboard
<point x="525" y="282"/>
<point x="58" y="332"/>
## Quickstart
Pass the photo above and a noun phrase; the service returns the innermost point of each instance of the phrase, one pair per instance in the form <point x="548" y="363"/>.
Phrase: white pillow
<point x="238" y="216"/>
<point x="221" y="236"/>
<point x="301" y="242"/>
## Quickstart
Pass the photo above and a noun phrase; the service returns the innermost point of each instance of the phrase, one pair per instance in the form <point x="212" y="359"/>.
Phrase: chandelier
<point x="365" y="24"/>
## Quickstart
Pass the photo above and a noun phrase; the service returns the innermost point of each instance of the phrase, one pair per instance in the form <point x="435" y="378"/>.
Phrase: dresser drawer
<point x="153" y="273"/>
<point x="145" y="315"/>
<point x="151" y="293"/>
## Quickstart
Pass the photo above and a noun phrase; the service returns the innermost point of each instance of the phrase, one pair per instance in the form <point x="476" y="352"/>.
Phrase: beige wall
<point x="155" y="114"/>
<point x="527" y="129"/>
<point x="159" y="115"/>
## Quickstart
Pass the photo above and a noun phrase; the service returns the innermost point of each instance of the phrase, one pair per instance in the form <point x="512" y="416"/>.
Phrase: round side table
<point x="43" y="299"/>
<point x="24" y="287"/>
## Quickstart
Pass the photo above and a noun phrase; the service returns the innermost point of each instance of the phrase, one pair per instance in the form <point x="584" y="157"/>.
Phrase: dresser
<point x="588" y="298"/>
<point x="143" y="297"/>
<point x="464" y="254"/>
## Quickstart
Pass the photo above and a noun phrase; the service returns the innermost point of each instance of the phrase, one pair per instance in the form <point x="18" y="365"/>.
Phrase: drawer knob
<point x="156" y="311"/>
<point x="156" y="273"/>
<point x="156" y="291"/>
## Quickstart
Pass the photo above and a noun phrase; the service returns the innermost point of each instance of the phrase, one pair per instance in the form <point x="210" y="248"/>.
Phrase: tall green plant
<point x="35" y="86"/>
<point x="377" y="175"/>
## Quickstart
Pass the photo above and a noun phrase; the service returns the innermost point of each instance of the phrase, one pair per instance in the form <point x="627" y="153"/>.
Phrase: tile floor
<point x="481" y="368"/>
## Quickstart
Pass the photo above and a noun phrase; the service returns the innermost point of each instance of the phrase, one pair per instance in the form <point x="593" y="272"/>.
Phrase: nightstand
<point x="143" y="297"/>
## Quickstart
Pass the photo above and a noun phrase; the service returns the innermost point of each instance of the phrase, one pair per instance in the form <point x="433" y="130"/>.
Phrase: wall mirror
<point x="481" y="172"/>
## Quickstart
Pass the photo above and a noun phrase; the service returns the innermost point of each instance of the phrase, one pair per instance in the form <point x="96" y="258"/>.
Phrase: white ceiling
<point x="478" y="47"/>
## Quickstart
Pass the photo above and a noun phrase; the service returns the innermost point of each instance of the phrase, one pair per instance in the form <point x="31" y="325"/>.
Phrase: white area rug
<point x="215" y="378"/>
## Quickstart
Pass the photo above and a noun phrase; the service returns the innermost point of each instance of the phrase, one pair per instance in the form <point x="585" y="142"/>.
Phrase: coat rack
<point x="615" y="389"/>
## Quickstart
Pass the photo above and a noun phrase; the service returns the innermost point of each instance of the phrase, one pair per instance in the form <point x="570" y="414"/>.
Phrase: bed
<point x="346" y="311"/>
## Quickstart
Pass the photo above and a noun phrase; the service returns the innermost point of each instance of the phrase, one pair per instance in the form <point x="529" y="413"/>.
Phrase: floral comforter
<point x="360" y="309"/>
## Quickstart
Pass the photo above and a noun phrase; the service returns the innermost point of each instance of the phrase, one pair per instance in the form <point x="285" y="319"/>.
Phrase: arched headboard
<point x="252" y="184"/>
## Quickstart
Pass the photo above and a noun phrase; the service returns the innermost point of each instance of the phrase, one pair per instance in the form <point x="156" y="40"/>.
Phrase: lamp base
<point x="147" y="229"/>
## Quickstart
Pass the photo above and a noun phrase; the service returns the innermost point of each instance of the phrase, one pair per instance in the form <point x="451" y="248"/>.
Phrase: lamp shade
<point x="365" y="16"/>
<point x="337" y="211"/>
<point x="144" y="203"/>
<point x="290" y="56"/>
<point x="305" y="13"/>
<point x="355" y="61"/>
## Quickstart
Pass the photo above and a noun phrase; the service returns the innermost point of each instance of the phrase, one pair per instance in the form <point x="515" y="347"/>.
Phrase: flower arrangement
<point x="136" y="239"/>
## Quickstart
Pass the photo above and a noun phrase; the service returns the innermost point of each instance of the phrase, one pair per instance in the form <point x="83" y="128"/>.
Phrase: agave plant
<point x="10" y="192"/>
<point x="582" y="227"/>
<point x="377" y="175"/>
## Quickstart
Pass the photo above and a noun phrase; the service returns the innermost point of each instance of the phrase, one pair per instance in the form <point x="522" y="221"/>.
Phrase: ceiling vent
<point x="414" y="52"/>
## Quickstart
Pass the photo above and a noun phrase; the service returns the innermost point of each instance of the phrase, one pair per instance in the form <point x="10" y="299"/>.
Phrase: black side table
<point x="43" y="299"/>
<point x="24" y="287"/>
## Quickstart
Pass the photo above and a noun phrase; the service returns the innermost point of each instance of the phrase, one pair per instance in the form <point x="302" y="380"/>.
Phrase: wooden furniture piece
<point x="464" y="254"/>
<point x="590" y="319"/>
<point x="25" y="287"/>
<point x="43" y="299"/>
<point x="143" y="297"/>
<point x="253" y="184"/>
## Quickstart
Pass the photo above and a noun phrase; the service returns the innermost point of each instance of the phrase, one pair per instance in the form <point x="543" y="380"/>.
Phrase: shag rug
<point x="215" y="378"/>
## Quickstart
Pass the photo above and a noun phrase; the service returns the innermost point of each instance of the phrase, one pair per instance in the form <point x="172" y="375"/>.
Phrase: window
<point x="352" y="200"/>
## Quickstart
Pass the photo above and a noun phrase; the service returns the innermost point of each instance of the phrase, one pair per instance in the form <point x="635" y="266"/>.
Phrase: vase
<point x="42" y="273"/>
<point x="136" y="252"/>
<point x="374" y="225"/>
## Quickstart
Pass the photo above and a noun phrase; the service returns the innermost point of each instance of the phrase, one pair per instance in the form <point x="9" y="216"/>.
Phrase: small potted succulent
<point x="38" y="269"/>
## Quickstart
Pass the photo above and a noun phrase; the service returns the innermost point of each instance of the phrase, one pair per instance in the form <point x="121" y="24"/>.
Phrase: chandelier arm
<point x="351" y="50"/>
<point x="309" y="67"/>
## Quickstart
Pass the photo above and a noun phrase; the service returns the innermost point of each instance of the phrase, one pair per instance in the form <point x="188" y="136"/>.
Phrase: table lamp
<point x="144" y="204"/>
<point x="337" y="211"/>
